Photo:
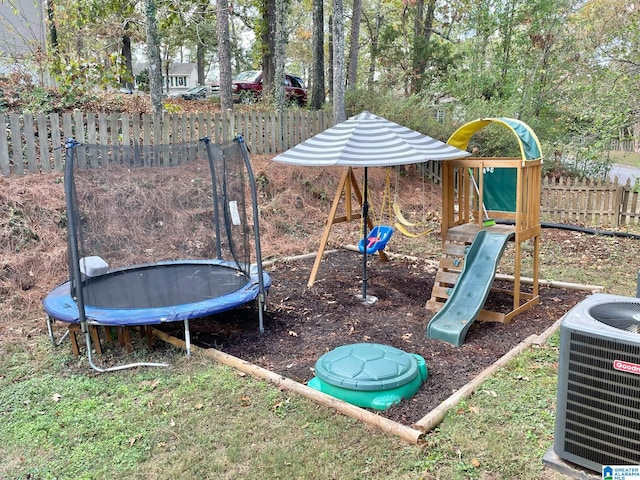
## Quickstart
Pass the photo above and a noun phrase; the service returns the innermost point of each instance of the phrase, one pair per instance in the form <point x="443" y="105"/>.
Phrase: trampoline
<point x="157" y="293"/>
<point x="157" y="234"/>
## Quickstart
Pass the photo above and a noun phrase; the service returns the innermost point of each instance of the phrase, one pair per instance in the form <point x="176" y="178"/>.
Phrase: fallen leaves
<point x="489" y="392"/>
<point x="151" y="384"/>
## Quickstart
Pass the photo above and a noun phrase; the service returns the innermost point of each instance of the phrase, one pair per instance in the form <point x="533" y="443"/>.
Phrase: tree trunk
<point x="201" y="48"/>
<point x="354" y="46"/>
<point x="153" y="56"/>
<point x="51" y="23"/>
<point x="224" y="54"/>
<point x="128" y="61"/>
<point x="268" y="40"/>
<point x="52" y="43"/>
<point x="421" y="38"/>
<point x="200" y="51"/>
<point x="330" y="69"/>
<point x="374" y="26"/>
<point x="317" y="74"/>
<point x="279" y="50"/>
<point x="339" y="112"/>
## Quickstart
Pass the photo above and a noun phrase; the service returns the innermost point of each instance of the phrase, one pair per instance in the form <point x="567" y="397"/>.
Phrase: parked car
<point x="247" y="88"/>
<point x="194" y="93"/>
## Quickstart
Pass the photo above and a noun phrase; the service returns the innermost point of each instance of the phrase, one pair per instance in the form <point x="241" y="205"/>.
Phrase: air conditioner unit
<point x="598" y="408"/>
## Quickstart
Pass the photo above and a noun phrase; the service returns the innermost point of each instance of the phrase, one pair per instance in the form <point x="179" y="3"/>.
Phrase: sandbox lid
<point x="367" y="366"/>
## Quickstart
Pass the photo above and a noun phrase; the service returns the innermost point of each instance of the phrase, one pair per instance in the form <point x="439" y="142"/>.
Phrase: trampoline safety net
<point x="152" y="204"/>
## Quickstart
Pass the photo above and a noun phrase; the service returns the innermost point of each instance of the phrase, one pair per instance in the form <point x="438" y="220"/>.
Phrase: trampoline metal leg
<point x="118" y="367"/>
<point x="261" y="308"/>
<point x="187" y="337"/>
<point x="54" y="342"/>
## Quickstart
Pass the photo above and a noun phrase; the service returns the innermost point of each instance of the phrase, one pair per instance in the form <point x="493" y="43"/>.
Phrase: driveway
<point x="624" y="172"/>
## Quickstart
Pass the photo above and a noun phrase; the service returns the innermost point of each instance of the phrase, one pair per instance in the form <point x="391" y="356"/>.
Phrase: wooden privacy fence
<point x="34" y="143"/>
<point x="624" y="145"/>
<point x="577" y="201"/>
<point x="591" y="202"/>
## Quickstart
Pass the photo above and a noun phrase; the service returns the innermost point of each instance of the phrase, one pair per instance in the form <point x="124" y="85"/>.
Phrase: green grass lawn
<point x="194" y="420"/>
<point x="200" y="420"/>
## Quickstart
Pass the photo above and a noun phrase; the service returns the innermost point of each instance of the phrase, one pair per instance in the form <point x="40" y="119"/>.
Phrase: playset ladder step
<point x="449" y="269"/>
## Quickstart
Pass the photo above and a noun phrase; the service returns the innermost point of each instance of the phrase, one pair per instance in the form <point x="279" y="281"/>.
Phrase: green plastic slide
<point x="452" y="322"/>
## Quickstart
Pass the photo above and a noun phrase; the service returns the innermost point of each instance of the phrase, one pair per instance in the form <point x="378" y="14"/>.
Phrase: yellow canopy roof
<point x="527" y="139"/>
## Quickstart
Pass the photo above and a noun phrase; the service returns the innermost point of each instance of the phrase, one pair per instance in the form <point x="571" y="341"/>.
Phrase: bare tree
<point x="317" y="73"/>
<point x="224" y="54"/>
<point x="153" y="55"/>
<point x="339" y="112"/>
<point x="352" y="72"/>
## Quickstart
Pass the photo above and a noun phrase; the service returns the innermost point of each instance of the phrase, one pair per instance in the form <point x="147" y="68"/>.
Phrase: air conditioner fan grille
<point x="620" y="315"/>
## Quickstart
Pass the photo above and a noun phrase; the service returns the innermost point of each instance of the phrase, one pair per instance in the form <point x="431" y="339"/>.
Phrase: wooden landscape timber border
<point x="498" y="276"/>
<point x="413" y="434"/>
<point x="408" y="434"/>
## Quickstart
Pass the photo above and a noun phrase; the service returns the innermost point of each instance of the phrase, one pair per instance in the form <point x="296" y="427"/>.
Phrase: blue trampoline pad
<point x="157" y="293"/>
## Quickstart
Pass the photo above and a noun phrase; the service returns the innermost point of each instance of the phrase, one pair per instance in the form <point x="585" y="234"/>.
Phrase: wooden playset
<point x="477" y="191"/>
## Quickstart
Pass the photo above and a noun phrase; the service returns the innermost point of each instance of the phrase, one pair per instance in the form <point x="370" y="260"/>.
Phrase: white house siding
<point x="22" y="33"/>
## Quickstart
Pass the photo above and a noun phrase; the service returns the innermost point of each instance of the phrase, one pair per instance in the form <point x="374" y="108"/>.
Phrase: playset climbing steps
<point x="452" y="262"/>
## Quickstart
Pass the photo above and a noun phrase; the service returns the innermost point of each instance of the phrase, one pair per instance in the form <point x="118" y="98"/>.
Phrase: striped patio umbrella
<point x="368" y="140"/>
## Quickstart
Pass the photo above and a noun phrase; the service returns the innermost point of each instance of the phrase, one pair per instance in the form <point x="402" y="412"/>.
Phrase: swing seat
<point x="376" y="240"/>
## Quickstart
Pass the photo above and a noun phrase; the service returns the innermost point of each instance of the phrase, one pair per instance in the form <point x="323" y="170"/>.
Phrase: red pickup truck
<point x="247" y="88"/>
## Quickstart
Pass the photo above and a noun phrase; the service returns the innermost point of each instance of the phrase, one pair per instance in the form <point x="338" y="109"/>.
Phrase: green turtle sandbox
<point x="369" y="375"/>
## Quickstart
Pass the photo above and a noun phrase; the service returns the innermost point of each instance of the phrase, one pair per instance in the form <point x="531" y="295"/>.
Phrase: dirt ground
<point x="304" y="323"/>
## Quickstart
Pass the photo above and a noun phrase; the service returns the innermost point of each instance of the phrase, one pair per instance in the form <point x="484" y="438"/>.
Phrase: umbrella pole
<point x="365" y="215"/>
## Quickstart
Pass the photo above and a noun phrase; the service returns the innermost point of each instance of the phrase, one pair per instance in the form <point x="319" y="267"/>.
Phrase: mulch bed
<point x="302" y="324"/>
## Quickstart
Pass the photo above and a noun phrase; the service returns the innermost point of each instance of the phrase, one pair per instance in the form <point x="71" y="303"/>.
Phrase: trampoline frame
<point x="59" y="304"/>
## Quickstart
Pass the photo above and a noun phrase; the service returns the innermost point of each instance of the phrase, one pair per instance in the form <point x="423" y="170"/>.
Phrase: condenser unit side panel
<point x="598" y="412"/>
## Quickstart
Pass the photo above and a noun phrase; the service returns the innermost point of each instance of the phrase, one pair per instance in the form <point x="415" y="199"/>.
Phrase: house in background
<point x="22" y="37"/>
<point x="182" y="76"/>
